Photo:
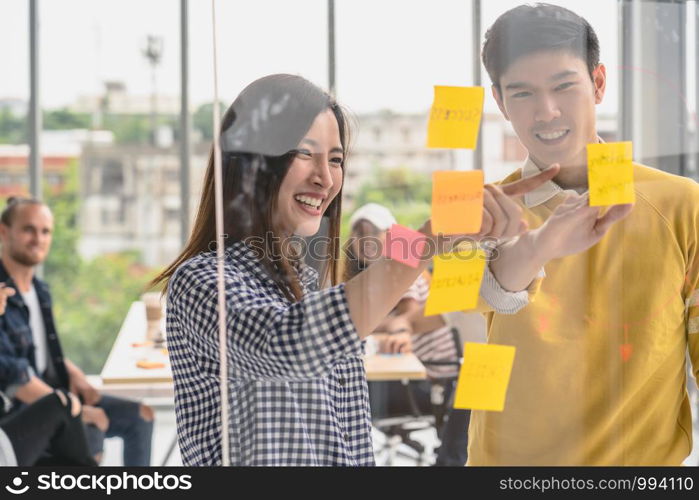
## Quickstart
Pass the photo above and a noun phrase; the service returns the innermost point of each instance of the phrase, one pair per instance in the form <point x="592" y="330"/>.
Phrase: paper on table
<point x="457" y="201"/>
<point x="149" y="365"/>
<point x="484" y="377"/>
<point x="610" y="173"/>
<point x="456" y="281"/>
<point x="404" y="245"/>
<point x="455" y="117"/>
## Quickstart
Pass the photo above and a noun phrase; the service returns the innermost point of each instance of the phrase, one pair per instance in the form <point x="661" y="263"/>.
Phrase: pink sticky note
<point x="404" y="245"/>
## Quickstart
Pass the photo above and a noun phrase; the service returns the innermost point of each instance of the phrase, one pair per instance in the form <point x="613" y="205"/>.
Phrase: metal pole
<point x="683" y="152"/>
<point x="185" y="123"/>
<point x="153" y="108"/>
<point x="476" y="44"/>
<point x="625" y="110"/>
<point x="696" y="90"/>
<point x="331" y="47"/>
<point x="34" y="113"/>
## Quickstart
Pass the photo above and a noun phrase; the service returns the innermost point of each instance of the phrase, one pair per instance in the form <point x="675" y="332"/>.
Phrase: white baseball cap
<point x="378" y="215"/>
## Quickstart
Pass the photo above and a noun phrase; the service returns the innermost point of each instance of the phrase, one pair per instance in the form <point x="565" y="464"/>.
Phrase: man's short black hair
<point x="534" y="28"/>
<point x="13" y="202"/>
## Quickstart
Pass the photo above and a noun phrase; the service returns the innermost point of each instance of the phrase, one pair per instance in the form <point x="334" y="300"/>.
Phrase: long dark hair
<point x="259" y="134"/>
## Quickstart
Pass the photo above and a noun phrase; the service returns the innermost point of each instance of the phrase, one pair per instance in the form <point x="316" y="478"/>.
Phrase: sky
<point x="390" y="53"/>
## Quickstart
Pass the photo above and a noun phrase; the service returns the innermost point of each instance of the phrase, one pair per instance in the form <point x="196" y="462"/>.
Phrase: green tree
<point x="91" y="298"/>
<point x="13" y="129"/>
<point x="406" y="193"/>
<point x="64" y="263"/>
<point x="64" y="119"/>
<point x="91" y="308"/>
<point x="202" y="119"/>
<point x="135" y="129"/>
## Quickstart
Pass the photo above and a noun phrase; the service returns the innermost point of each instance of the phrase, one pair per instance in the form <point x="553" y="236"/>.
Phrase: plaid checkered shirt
<point x="297" y="389"/>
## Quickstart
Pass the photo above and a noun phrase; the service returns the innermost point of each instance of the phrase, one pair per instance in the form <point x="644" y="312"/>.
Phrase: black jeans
<point x="45" y="433"/>
<point x="125" y="422"/>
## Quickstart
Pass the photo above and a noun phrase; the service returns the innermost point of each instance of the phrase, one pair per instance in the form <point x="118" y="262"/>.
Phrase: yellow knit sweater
<point x="573" y="399"/>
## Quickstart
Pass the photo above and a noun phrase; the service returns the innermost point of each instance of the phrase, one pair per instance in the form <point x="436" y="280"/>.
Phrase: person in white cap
<point x="368" y="226"/>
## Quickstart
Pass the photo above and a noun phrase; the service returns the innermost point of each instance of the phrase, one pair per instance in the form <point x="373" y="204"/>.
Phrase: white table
<point x="121" y="368"/>
<point x="121" y="375"/>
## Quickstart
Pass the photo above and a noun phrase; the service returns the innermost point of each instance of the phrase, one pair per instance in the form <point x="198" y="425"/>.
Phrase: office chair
<point x="398" y="430"/>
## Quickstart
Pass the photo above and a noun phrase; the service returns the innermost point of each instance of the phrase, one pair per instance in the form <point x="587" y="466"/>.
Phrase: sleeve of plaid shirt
<point x="268" y="338"/>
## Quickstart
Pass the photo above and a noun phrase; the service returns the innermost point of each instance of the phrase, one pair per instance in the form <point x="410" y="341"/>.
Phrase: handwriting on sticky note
<point x="456" y="281"/>
<point x="404" y="245"/>
<point x="455" y="117"/>
<point x="610" y="173"/>
<point x="457" y="201"/>
<point x="484" y="377"/>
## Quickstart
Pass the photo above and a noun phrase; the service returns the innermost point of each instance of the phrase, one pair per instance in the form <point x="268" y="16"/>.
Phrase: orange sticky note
<point x="455" y="117"/>
<point x="484" y="376"/>
<point x="147" y="343"/>
<point x="457" y="201"/>
<point x="610" y="173"/>
<point x="456" y="281"/>
<point x="149" y="365"/>
<point x="404" y="245"/>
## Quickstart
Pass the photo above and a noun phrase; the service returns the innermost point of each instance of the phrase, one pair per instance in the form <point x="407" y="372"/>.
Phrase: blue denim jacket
<point x="17" y="362"/>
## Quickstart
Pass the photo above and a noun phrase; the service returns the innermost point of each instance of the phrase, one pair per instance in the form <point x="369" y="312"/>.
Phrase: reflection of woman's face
<point x="313" y="180"/>
<point x="367" y="242"/>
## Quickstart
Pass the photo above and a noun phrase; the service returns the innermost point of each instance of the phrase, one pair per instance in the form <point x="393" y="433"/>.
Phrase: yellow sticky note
<point x="484" y="377"/>
<point x="456" y="281"/>
<point x="455" y="117"/>
<point x="457" y="201"/>
<point x="610" y="173"/>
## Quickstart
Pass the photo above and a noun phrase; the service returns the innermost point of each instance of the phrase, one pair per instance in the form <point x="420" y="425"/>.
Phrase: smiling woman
<point x="297" y="390"/>
<point x="296" y="385"/>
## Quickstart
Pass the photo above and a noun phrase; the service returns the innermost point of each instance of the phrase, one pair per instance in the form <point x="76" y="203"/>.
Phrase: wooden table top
<point x="394" y="367"/>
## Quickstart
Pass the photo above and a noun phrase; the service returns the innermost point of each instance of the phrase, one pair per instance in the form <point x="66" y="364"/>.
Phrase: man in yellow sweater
<point x="599" y="376"/>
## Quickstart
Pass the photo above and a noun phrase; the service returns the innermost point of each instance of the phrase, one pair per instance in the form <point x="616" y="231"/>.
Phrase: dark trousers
<point x="45" y="433"/>
<point x="125" y="422"/>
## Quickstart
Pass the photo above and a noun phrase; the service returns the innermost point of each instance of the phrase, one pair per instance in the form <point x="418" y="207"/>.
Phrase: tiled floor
<point x="165" y="433"/>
